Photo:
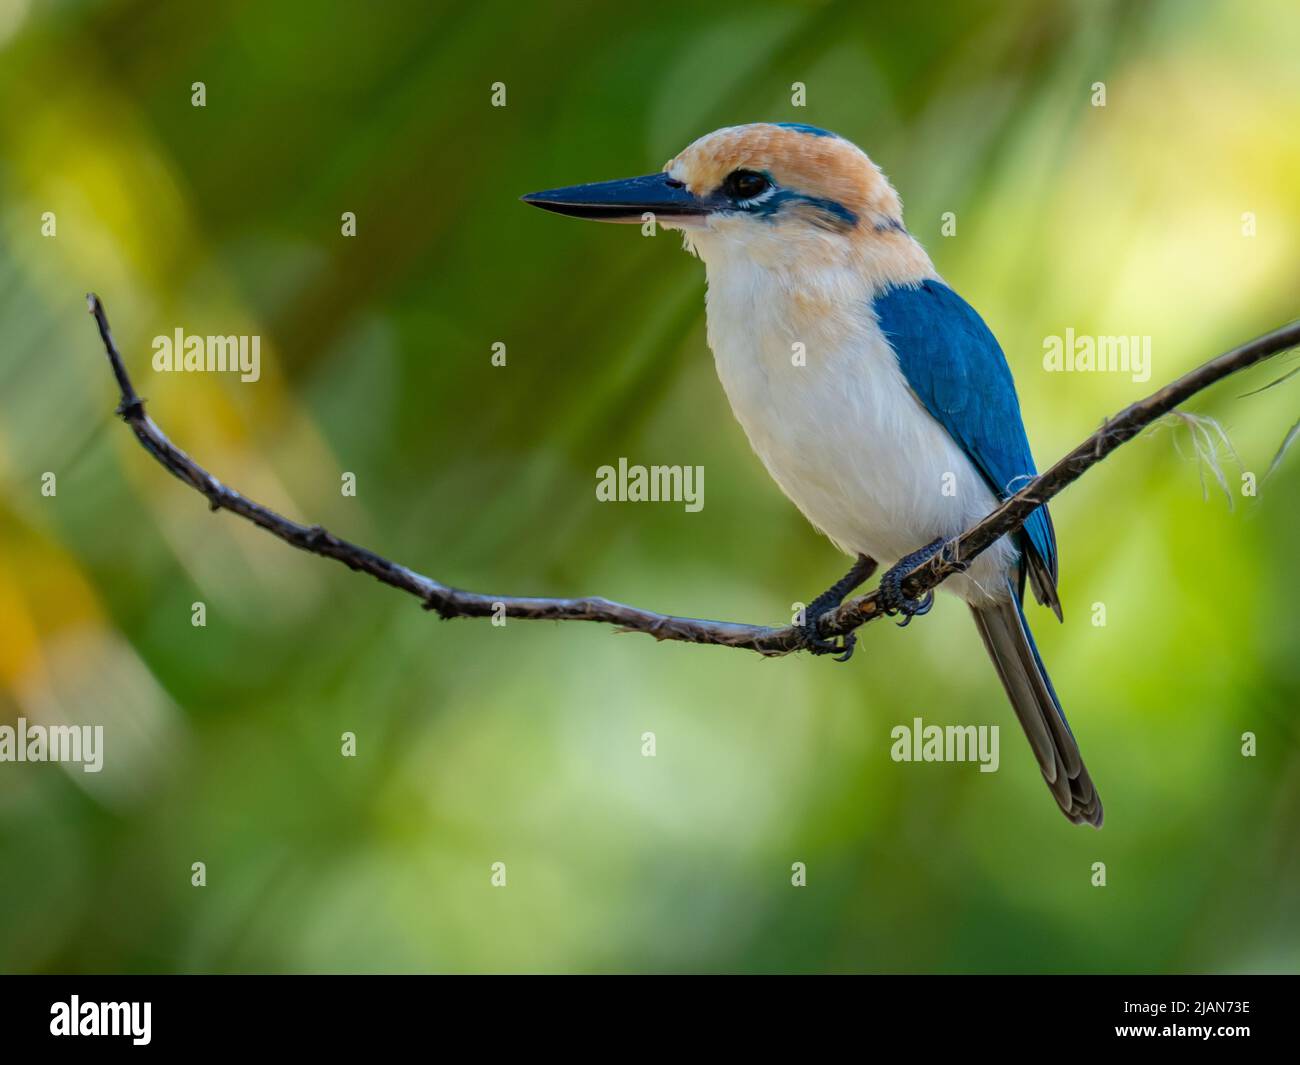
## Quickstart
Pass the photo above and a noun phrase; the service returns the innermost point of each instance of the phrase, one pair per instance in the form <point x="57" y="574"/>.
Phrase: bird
<point x="874" y="395"/>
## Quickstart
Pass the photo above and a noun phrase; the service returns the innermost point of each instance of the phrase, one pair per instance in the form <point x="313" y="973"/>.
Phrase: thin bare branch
<point x="449" y="602"/>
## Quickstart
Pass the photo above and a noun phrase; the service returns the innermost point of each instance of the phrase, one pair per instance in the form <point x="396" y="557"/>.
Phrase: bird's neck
<point x="814" y="266"/>
<point x="768" y="298"/>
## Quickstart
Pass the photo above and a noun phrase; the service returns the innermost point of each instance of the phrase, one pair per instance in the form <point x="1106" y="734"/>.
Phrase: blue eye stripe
<point x="839" y="216"/>
<point x="846" y="218"/>
<point x="812" y="131"/>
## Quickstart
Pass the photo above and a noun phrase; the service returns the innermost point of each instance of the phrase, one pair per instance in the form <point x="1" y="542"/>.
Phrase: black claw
<point x="893" y="600"/>
<point x="850" y="641"/>
<point x="926" y="602"/>
<point x="814" y="644"/>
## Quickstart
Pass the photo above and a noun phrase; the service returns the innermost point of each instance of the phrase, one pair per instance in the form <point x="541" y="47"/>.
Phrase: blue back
<point x="956" y="368"/>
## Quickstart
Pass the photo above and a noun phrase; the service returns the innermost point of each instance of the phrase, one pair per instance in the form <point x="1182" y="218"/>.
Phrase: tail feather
<point x="1011" y="647"/>
<point x="1043" y="582"/>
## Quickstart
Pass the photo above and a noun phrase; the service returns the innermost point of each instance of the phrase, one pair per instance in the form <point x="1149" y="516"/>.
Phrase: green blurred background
<point x="522" y="744"/>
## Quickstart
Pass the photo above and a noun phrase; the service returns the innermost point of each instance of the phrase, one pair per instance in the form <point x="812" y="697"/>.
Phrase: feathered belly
<point x="853" y="449"/>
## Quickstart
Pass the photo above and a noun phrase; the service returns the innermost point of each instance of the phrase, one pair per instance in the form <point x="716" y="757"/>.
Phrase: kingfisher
<point x="874" y="395"/>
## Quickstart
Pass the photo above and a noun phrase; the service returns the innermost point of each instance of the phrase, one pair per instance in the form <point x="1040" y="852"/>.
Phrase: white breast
<point x="843" y="435"/>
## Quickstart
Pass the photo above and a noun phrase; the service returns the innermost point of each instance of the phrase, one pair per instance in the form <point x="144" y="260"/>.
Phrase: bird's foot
<point x="891" y="597"/>
<point x="824" y="604"/>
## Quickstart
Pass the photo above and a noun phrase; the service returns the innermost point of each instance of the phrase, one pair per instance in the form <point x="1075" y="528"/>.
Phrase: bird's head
<point x="770" y="192"/>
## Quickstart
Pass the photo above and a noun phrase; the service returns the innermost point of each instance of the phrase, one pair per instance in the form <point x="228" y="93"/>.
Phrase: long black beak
<point x="626" y="200"/>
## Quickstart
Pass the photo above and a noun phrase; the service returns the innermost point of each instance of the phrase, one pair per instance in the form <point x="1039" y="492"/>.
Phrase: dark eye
<point x="745" y="184"/>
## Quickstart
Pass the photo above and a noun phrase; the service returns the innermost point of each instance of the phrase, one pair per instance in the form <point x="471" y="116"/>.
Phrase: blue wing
<point x="956" y="368"/>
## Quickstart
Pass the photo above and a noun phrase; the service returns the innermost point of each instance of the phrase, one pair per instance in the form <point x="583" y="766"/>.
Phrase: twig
<point x="451" y="602"/>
